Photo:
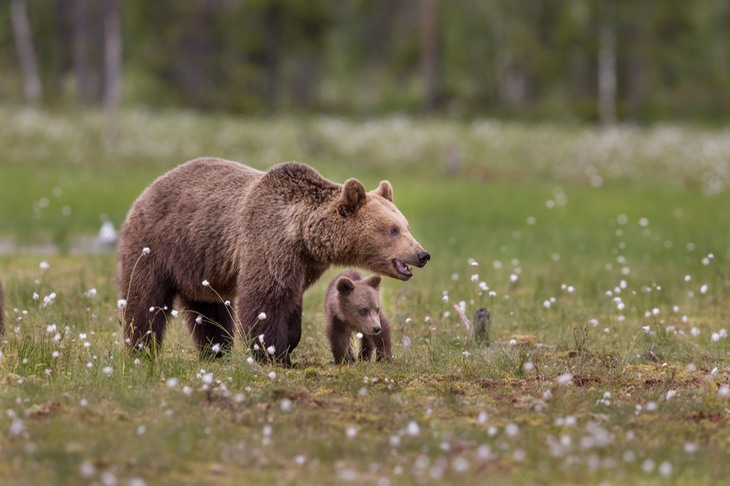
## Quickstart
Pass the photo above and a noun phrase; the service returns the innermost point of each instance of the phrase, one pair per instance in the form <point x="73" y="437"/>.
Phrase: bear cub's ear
<point x="385" y="190"/>
<point x="353" y="195"/>
<point x="345" y="285"/>
<point x="373" y="281"/>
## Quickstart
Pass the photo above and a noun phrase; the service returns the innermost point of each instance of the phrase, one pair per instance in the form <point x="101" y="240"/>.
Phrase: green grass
<point x="575" y="393"/>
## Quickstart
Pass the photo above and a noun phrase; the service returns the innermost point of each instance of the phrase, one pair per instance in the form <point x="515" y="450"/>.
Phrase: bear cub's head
<point x="359" y="303"/>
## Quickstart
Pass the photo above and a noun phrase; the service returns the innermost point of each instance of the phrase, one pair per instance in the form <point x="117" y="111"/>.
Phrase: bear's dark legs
<point x="274" y="337"/>
<point x="382" y="345"/>
<point x="210" y="325"/>
<point x="340" y="337"/>
<point x="366" y="348"/>
<point x="145" y="315"/>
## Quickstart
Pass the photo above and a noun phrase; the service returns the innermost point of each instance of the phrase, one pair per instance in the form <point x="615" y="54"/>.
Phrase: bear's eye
<point x="363" y="312"/>
<point x="394" y="231"/>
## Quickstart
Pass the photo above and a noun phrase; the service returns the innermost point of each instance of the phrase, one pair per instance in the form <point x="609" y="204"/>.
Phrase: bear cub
<point x="352" y="304"/>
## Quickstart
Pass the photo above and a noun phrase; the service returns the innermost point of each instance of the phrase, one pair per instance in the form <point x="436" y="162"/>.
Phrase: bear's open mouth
<point x="402" y="268"/>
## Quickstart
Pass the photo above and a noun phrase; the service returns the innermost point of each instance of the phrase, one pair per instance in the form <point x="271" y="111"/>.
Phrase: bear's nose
<point x="376" y="329"/>
<point x="423" y="257"/>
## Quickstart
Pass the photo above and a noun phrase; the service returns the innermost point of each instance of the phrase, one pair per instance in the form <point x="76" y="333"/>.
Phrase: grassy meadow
<point x="602" y="256"/>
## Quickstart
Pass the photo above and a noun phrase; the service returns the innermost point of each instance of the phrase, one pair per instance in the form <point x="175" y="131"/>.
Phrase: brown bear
<point x="352" y="304"/>
<point x="238" y="247"/>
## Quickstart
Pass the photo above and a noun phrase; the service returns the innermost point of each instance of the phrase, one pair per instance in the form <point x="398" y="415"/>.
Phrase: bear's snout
<point x="423" y="258"/>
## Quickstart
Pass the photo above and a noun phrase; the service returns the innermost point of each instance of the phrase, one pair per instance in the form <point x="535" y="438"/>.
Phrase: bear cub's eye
<point x="364" y="312"/>
<point x="394" y="231"/>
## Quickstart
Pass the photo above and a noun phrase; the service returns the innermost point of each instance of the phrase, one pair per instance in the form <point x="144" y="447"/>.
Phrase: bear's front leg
<point x="273" y="328"/>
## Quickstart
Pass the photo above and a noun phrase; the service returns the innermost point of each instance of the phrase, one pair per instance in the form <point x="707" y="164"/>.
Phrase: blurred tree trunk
<point x="82" y="39"/>
<point x="607" y="65"/>
<point x="26" y="53"/>
<point x="636" y="72"/>
<point x="272" y="24"/>
<point x="429" y="53"/>
<point x="112" y="67"/>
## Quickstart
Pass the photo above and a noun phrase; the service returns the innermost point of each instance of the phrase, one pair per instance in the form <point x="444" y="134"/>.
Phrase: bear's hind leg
<point x="211" y="326"/>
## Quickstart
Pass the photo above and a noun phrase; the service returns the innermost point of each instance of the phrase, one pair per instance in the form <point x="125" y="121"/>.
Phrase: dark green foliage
<point x="524" y="58"/>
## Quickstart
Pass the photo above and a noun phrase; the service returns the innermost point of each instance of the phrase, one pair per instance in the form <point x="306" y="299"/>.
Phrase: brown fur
<point x="260" y="239"/>
<point x="2" y="310"/>
<point x="352" y="304"/>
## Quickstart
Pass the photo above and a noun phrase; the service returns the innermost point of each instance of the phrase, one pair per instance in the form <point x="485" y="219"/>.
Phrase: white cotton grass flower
<point x="271" y="349"/>
<point x="359" y="335"/>
<point x="262" y="316"/>
<point x="44" y="265"/>
<point x="351" y="432"/>
<point x="146" y="250"/>
<point x="199" y="319"/>
<point x="205" y="283"/>
<point x="564" y="379"/>
<point x="90" y="293"/>
<point x="174" y="313"/>
<point x="261" y="338"/>
<point x="285" y="405"/>
<point x="250" y="360"/>
<point x="171" y="382"/>
<point x="511" y="429"/>
<point x="107" y="370"/>
<point x="216" y="348"/>
<point x="121" y="303"/>
<point x="272" y="375"/>
<point x="413" y="429"/>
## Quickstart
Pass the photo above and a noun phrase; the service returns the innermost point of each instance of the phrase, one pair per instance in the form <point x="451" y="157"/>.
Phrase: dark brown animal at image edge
<point x="259" y="239"/>
<point x="352" y="305"/>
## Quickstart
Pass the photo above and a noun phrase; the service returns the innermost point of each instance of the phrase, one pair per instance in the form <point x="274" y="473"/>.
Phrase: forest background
<point x="566" y="60"/>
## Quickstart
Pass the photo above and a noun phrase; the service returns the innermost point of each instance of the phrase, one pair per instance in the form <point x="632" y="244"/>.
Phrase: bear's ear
<point x="345" y="285"/>
<point x="373" y="281"/>
<point x="353" y="195"/>
<point x="385" y="190"/>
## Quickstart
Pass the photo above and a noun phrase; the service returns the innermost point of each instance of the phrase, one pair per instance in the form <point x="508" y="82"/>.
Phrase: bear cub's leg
<point x="380" y="343"/>
<point x="340" y="334"/>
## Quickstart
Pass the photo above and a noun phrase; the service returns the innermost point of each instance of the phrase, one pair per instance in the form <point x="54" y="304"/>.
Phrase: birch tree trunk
<point x="26" y="53"/>
<point x="429" y="53"/>
<point x="607" y="70"/>
<point x="112" y="67"/>
<point x="81" y="37"/>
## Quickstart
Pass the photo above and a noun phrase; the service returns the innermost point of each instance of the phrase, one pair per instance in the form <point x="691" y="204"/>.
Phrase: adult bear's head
<point x="378" y="234"/>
